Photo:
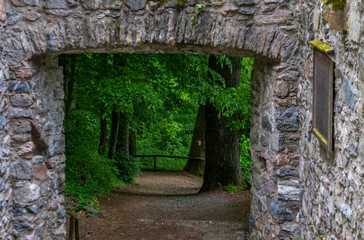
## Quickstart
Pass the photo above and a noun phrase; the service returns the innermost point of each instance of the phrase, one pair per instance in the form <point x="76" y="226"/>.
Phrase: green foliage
<point x="160" y="95"/>
<point x="232" y="188"/>
<point x="128" y="168"/>
<point x="89" y="175"/>
<point x="245" y="160"/>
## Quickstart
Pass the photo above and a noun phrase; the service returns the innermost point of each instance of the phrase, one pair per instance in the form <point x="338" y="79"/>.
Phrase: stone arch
<point x="36" y="32"/>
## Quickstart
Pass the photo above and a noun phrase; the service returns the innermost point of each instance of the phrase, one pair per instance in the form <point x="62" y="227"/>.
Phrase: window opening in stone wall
<point x="323" y="97"/>
<point x="124" y="112"/>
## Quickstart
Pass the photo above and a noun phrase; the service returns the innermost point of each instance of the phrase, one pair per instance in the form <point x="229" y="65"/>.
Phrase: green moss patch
<point x="322" y="46"/>
<point x="336" y="4"/>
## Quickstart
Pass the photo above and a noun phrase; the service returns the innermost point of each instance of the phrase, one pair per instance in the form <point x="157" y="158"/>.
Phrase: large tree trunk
<point x="122" y="145"/>
<point x="132" y="143"/>
<point x="103" y="135"/>
<point x="222" y="144"/>
<point x="197" y="148"/>
<point x="114" y="133"/>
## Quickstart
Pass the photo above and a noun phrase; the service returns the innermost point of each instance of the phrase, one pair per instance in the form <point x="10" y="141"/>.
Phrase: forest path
<point x="165" y="206"/>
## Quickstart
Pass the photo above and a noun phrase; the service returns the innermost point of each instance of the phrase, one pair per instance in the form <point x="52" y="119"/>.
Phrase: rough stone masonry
<point x="296" y="191"/>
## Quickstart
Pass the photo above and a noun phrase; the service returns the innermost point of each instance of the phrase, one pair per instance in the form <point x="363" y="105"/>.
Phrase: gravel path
<point x="165" y="205"/>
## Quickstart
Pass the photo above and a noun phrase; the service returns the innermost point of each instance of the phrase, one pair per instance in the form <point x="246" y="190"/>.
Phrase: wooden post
<point x="77" y="226"/>
<point x="155" y="163"/>
<point x="71" y="230"/>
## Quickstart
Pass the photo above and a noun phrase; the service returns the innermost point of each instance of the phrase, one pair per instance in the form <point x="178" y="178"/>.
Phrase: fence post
<point x="71" y="229"/>
<point x="77" y="226"/>
<point x="155" y="163"/>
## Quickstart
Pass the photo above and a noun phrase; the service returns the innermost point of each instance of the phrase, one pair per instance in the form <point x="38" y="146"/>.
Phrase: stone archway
<point x="36" y="32"/>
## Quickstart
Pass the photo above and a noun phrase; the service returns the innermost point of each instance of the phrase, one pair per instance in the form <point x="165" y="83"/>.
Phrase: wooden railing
<point x="155" y="156"/>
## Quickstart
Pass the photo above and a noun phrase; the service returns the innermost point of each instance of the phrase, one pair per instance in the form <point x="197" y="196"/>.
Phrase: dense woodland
<point x="120" y="105"/>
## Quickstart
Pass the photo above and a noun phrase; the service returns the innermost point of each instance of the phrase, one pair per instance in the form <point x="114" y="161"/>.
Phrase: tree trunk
<point x="222" y="144"/>
<point x="122" y="145"/>
<point x="197" y="148"/>
<point x="103" y="135"/>
<point x="114" y="133"/>
<point x="132" y="143"/>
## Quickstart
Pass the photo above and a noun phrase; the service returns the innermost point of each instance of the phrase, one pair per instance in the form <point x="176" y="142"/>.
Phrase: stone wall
<point x="333" y="192"/>
<point x="296" y="191"/>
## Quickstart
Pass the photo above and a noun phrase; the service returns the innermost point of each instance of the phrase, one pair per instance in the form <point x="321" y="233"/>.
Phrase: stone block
<point x="281" y="89"/>
<point x="26" y="150"/>
<point x="2" y="184"/>
<point x="41" y="172"/>
<point x="349" y="95"/>
<point x="346" y="210"/>
<point x="287" y="119"/>
<point x="2" y="120"/>
<point x="35" y="209"/>
<point x="21" y="100"/>
<point x="20" y="113"/>
<point x="244" y="2"/>
<point x="355" y="25"/>
<point x="287" y="171"/>
<point x="281" y="142"/>
<point x="22" y="138"/>
<point x="20" y="3"/>
<point x="22" y="226"/>
<point x="102" y="4"/>
<point x="21" y="170"/>
<point x="280" y="211"/>
<point x="25" y="192"/>
<point x="13" y="17"/>
<point x="17" y="210"/>
<point x="18" y="87"/>
<point x="266" y="125"/>
<point x="136" y="5"/>
<point x="281" y="16"/>
<point x="56" y="4"/>
<point x="57" y="147"/>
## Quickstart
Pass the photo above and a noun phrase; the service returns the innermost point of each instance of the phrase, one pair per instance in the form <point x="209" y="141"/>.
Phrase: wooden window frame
<point x="326" y="143"/>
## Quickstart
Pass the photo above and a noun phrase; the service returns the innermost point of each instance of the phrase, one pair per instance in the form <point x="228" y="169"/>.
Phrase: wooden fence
<point x="155" y="156"/>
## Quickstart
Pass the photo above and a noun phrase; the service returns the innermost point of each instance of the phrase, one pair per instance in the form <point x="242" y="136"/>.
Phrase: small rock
<point x="22" y="226"/>
<point x="280" y="211"/>
<point x="62" y="213"/>
<point x="18" y="87"/>
<point x="346" y="210"/>
<point x="20" y="113"/>
<point x="136" y="5"/>
<point x="2" y="184"/>
<point x="266" y="123"/>
<point x="287" y="171"/>
<point x="26" y="192"/>
<point x="21" y="100"/>
<point x="41" y="172"/>
<point x="3" y="204"/>
<point x="34" y="209"/>
<point x="21" y="170"/>
<point x="57" y="4"/>
<point x="93" y="212"/>
<point x="13" y="17"/>
<point x="26" y="149"/>
<point x="17" y="210"/>
<point x="287" y="119"/>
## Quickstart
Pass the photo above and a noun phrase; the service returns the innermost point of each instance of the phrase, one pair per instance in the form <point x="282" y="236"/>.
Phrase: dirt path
<point x="165" y="206"/>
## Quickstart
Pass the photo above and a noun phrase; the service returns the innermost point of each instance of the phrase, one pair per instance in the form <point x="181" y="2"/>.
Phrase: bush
<point x="127" y="168"/>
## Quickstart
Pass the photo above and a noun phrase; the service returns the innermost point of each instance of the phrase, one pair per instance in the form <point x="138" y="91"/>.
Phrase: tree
<point x="222" y="142"/>
<point x="197" y="149"/>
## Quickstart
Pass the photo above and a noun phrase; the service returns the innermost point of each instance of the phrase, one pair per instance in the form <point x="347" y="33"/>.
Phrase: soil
<point x="166" y="205"/>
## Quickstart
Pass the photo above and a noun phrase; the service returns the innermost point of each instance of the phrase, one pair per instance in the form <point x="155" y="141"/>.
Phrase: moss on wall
<point x="322" y="46"/>
<point x="336" y="4"/>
